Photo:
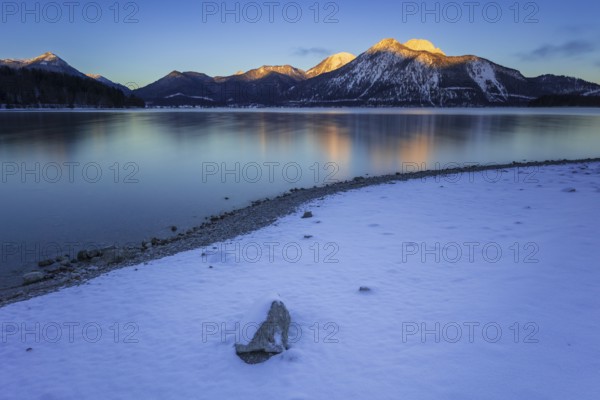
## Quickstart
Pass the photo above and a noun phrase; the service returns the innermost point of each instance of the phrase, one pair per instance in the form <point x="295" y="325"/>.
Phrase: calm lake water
<point x="72" y="180"/>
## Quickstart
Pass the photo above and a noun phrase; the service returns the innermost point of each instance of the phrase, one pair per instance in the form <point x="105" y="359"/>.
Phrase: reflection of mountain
<point x="334" y="141"/>
<point x="392" y="142"/>
<point x="416" y="148"/>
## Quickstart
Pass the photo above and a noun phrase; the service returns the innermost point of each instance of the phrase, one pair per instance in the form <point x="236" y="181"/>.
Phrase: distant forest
<point x="566" y="101"/>
<point x="28" y="88"/>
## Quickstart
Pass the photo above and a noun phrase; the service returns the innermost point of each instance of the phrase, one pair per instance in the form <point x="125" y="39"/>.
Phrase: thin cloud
<point x="572" y="48"/>
<point x="576" y="28"/>
<point x="310" y="51"/>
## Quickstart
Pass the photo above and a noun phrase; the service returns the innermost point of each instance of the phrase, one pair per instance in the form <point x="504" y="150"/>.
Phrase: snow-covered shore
<point x="481" y="286"/>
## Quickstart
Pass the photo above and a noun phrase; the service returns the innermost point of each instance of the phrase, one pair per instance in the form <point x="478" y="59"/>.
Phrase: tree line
<point x="32" y="88"/>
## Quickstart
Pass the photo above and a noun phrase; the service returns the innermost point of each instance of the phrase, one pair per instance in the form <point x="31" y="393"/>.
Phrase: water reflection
<point x="170" y="149"/>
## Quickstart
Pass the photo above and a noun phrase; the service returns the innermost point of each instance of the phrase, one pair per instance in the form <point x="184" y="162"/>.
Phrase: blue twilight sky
<point x="553" y="36"/>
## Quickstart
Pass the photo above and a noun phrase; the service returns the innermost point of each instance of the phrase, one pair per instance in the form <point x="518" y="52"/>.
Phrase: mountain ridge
<point x="49" y="81"/>
<point x="110" y="83"/>
<point x="48" y="62"/>
<point x="389" y="73"/>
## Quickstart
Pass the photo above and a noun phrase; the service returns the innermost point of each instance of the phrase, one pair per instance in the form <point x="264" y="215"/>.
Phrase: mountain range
<point x="390" y="73"/>
<point x="48" y="62"/>
<point x="49" y="81"/>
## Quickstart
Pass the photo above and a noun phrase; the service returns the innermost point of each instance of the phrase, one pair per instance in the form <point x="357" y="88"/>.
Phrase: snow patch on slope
<point x="484" y="75"/>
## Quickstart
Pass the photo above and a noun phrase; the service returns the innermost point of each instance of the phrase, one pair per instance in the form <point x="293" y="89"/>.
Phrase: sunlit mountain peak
<point x="393" y="46"/>
<point x="331" y="63"/>
<point x="423" y="45"/>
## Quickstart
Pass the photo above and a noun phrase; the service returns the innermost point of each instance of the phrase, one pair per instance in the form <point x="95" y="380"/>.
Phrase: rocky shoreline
<point x="61" y="272"/>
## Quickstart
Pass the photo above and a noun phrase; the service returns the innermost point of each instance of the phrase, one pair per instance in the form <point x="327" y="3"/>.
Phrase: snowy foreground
<point x="479" y="290"/>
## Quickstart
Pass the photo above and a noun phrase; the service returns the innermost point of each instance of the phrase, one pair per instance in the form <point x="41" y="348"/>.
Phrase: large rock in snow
<point x="271" y="320"/>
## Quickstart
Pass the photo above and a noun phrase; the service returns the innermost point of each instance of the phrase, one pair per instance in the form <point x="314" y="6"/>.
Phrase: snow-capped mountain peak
<point x="48" y="62"/>
<point x="331" y="63"/>
<point x="261" y="72"/>
<point x="416" y="73"/>
<point x="47" y="56"/>
<point x="390" y="44"/>
<point x="423" y="45"/>
<point x="404" y="49"/>
<point x="52" y="62"/>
